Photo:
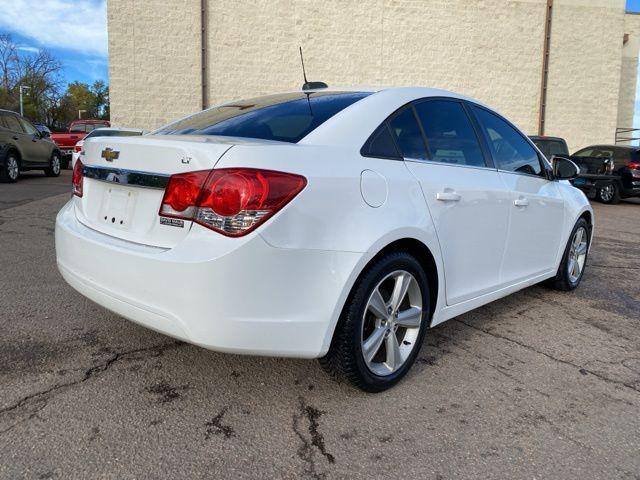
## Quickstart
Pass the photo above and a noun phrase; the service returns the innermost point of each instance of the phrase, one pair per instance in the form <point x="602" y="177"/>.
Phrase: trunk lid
<point x="125" y="178"/>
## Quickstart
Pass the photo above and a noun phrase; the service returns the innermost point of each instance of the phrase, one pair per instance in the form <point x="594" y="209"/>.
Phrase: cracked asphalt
<point x="541" y="384"/>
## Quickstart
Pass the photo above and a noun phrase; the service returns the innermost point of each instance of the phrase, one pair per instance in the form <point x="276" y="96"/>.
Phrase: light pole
<point x="80" y="112"/>
<point x="22" y="87"/>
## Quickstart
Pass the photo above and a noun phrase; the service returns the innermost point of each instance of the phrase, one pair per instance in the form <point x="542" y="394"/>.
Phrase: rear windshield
<point x="112" y="133"/>
<point x="286" y="117"/>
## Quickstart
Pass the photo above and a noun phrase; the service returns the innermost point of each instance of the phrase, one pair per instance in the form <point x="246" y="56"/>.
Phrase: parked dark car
<point x="608" y="172"/>
<point x="23" y="147"/>
<point x="551" y="146"/>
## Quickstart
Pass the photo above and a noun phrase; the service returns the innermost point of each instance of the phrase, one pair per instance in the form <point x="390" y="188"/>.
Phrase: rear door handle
<point x="521" y="202"/>
<point x="448" y="196"/>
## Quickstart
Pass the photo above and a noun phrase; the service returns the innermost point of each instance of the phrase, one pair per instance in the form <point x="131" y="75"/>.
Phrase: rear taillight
<point x="634" y="165"/>
<point x="77" y="177"/>
<point x="77" y="148"/>
<point x="232" y="201"/>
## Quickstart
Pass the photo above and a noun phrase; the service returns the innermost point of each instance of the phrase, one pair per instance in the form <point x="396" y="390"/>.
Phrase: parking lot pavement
<point x="541" y="384"/>
<point x="33" y="185"/>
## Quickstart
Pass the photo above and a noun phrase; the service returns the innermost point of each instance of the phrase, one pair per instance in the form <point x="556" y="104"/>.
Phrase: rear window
<point x="285" y="117"/>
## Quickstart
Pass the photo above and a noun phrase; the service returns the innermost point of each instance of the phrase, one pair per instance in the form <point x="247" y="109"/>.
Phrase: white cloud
<point x="79" y="25"/>
<point x="27" y="48"/>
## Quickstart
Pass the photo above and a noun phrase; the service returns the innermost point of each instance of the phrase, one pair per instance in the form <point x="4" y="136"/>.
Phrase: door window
<point x="13" y="124"/>
<point x="510" y="150"/>
<point x="450" y="135"/>
<point x="30" y="129"/>
<point x="408" y="135"/>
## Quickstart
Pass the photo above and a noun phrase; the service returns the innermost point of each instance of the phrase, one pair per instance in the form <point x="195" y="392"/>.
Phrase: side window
<point x="622" y="155"/>
<point x="30" y="129"/>
<point x="13" y="124"/>
<point x="381" y="144"/>
<point x="3" y="123"/>
<point x="406" y="131"/>
<point x="450" y="135"/>
<point x="510" y="150"/>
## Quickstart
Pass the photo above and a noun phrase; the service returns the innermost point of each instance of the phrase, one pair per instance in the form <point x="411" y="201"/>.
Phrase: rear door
<point x="536" y="206"/>
<point x="24" y="141"/>
<point x="41" y="150"/>
<point x="465" y="196"/>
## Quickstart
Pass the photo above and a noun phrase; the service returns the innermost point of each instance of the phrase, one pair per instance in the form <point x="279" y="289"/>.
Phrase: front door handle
<point x="15" y="137"/>
<point x="448" y="196"/>
<point x="521" y="202"/>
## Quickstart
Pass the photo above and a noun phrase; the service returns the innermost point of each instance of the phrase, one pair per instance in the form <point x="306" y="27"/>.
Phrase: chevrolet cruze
<point x="331" y="224"/>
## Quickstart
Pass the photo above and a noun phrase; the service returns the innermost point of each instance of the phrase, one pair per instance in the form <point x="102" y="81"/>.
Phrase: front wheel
<point x="53" y="170"/>
<point x="609" y="194"/>
<point x="574" y="259"/>
<point x="382" y="325"/>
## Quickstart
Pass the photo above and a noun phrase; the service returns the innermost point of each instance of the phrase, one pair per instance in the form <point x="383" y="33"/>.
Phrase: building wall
<point x="154" y="60"/>
<point x="628" y="77"/>
<point x="490" y="50"/>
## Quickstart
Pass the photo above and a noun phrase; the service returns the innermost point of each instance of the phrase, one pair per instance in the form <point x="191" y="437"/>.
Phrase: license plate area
<point x="118" y="207"/>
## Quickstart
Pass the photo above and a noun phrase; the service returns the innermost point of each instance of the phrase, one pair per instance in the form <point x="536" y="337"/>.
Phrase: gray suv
<point x="23" y="147"/>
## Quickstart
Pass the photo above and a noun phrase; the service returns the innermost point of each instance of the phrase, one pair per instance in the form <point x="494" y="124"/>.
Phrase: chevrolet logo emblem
<point x="109" y="154"/>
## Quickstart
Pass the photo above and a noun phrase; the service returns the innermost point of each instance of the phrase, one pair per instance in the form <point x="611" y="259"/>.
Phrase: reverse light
<point x="77" y="178"/>
<point x="232" y="201"/>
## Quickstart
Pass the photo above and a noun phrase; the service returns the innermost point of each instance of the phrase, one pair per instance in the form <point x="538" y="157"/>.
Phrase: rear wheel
<point x="382" y="325"/>
<point x="10" y="171"/>
<point x="574" y="260"/>
<point x="53" y="170"/>
<point x="610" y="194"/>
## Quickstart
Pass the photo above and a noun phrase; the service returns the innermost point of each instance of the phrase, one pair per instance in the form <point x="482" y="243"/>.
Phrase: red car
<point x="77" y="131"/>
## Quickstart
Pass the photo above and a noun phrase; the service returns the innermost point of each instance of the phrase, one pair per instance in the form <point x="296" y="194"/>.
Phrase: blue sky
<point x="633" y="5"/>
<point x="75" y="31"/>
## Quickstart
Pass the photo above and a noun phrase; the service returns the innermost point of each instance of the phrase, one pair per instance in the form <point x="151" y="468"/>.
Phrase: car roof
<point x="353" y="125"/>
<point x="623" y="147"/>
<point x="119" y="129"/>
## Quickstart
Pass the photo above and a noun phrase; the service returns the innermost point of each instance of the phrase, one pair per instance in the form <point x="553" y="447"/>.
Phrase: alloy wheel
<point x="12" y="168"/>
<point x="391" y="323"/>
<point x="55" y="164"/>
<point x="606" y="193"/>
<point x="577" y="254"/>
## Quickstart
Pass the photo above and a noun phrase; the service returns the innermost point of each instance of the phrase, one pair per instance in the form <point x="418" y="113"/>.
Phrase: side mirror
<point x="44" y="134"/>
<point x="563" y="168"/>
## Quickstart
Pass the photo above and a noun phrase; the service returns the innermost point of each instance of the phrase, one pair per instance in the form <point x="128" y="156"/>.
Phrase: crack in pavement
<point x="556" y="359"/>
<point x="305" y="452"/>
<point x="41" y="398"/>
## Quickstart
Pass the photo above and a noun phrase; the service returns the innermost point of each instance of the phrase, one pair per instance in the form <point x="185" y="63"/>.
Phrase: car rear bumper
<point x="248" y="298"/>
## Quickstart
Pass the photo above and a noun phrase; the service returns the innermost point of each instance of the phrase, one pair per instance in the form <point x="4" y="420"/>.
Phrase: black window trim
<point x="545" y="174"/>
<point x="488" y="158"/>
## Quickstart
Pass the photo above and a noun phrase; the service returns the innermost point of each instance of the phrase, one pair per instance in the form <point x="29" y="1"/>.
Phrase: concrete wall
<point x="490" y="50"/>
<point x="628" y="76"/>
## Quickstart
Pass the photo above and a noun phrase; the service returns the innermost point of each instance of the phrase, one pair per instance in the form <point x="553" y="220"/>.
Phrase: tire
<point x="359" y="325"/>
<point x="609" y="194"/>
<point x="566" y="280"/>
<point x="10" y="171"/>
<point x="55" y="165"/>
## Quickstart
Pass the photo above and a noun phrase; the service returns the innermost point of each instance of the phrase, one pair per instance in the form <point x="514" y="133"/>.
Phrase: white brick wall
<point x="488" y="49"/>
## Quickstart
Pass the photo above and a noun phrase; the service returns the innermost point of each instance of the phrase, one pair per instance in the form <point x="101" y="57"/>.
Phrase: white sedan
<point x="102" y="132"/>
<point x="332" y="223"/>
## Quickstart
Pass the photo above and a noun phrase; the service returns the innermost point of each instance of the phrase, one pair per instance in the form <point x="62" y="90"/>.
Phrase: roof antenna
<point x="307" y="84"/>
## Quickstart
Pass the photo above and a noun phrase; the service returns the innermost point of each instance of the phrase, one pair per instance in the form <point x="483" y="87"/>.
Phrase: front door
<point x="536" y="207"/>
<point x="464" y="193"/>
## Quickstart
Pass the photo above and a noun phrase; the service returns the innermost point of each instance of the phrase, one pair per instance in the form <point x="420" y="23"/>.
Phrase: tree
<point x="47" y="101"/>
